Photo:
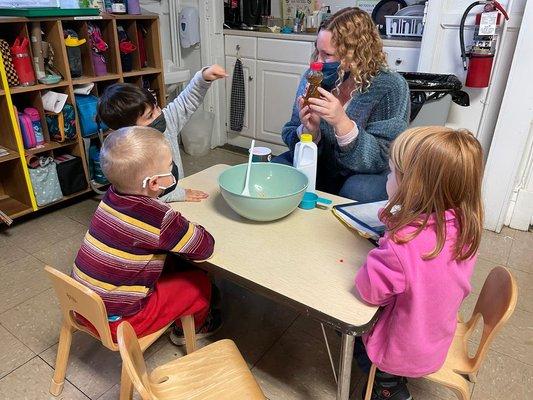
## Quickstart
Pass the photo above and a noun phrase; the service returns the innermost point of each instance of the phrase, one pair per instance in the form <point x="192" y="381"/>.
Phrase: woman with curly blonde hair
<point x="364" y="106"/>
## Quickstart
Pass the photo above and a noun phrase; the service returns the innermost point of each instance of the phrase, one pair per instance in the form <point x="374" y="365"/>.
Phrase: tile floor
<point x="285" y="350"/>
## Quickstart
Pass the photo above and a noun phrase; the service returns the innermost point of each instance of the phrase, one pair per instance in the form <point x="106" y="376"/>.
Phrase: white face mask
<point x="148" y="178"/>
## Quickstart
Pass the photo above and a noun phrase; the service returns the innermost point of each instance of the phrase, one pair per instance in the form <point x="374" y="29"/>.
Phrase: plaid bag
<point x="12" y="77"/>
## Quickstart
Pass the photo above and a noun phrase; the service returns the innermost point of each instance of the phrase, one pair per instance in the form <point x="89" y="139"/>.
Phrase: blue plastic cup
<point x="311" y="200"/>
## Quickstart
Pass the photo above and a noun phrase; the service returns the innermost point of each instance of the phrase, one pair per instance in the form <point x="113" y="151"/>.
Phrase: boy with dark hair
<point x="124" y="104"/>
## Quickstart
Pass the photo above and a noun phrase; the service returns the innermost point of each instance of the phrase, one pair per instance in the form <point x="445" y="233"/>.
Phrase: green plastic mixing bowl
<point x="276" y="190"/>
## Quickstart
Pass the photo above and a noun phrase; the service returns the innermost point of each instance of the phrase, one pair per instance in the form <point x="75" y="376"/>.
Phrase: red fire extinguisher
<point x="20" y="53"/>
<point x="484" y="46"/>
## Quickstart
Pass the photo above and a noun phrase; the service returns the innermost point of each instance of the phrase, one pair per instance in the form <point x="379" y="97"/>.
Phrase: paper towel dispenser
<point x="189" y="27"/>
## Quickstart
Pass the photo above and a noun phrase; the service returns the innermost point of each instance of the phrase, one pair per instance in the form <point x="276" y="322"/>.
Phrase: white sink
<point x="174" y="75"/>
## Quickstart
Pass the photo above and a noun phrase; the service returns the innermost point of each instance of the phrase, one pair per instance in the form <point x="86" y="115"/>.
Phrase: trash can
<point x="196" y="134"/>
<point x="432" y="96"/>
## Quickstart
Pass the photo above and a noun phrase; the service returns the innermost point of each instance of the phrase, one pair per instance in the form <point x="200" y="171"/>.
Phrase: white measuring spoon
<point x="246" y="190"/>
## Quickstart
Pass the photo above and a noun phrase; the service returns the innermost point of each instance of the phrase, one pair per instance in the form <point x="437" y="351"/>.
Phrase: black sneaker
<point x="211" y="325"/>
<point x="390" y="389"/>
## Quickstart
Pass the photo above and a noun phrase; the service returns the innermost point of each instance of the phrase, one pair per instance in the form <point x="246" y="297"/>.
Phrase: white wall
<point x="191" y="57"/>
<point x="440" y="53"/>
<point x="508" y="184"/>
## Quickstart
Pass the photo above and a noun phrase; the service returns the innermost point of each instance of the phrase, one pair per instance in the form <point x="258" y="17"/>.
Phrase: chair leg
<point x="461" y="389"/>
<point x="189" y="331"/>
<point x="126" y="385"/>
<point x="370" y="383"/>
<point x="457" y="383"/>
<point x="63" y="350"/>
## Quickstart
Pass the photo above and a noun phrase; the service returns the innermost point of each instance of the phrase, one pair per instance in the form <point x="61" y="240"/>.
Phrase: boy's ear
<point x="153" y="184"/>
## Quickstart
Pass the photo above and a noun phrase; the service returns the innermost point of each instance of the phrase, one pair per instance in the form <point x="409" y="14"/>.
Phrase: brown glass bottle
<point x="314" y="77"/>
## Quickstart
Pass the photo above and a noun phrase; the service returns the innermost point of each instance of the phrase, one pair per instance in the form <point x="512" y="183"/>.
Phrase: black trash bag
<point x="432" y="87"/>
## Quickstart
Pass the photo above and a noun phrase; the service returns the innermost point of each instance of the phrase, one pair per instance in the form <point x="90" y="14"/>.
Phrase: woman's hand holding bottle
<point x="309" y="120"/>
<point x="331" y="110"/>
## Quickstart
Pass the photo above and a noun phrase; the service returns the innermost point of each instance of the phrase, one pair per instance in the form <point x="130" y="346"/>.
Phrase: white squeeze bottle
<point x="305" y="159"/>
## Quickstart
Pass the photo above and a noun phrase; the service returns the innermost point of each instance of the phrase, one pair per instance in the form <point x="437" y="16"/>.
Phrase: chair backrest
<point x="133" y="360"/>
<point x="496" y="303"/>
<point x="75" y="298"/>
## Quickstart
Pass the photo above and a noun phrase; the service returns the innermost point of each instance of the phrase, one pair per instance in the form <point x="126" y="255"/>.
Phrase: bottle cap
<point x="306" y="138"/>
<point x="316" y="66"/>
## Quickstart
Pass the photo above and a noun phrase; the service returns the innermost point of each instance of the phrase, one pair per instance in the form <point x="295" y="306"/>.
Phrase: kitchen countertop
<point x="310" y="37"/>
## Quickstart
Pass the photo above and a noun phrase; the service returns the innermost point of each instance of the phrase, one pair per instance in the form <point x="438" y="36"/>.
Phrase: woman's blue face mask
<point x="329" y="70"/>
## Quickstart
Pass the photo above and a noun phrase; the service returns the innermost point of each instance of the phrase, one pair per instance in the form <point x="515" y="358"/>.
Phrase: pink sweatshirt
<point x="420" y="300"/>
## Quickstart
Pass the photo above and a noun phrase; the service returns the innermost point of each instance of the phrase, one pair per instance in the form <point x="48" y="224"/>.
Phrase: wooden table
<point x="307" y="260"/>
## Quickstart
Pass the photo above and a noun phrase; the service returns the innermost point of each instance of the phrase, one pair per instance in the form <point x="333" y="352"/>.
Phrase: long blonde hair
<point x="358" y="46"/>
<point x="437" y="169"/>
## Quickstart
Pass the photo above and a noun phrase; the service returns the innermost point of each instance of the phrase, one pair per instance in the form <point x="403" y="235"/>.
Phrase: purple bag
<point x="99" y="64"/>
<point x="134" y="7"/>
<point x="26" y="129"/>
<point x="35" y="118"/>
<point x="98" y="48"/>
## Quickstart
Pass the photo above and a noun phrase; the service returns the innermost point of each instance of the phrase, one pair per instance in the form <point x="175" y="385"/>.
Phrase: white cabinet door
<point x="276" y="90"/>
<point x="402" y="59"/>
<point x="248" y="67"/>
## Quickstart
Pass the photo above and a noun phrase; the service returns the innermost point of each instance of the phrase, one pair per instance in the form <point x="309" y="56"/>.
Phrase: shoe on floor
<point x="211" y="325"/>
<point x="390" y="389"/>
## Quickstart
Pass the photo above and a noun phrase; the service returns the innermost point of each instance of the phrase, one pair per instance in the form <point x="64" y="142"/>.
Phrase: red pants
<point x="175" y="294"/>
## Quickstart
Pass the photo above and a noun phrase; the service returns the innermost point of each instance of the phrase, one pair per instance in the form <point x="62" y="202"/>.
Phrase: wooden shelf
<point x="16" y="197"/>
<point x="7" y="19"/>
<point x="51" y="146"/>
<point x="90" y="79"/>
<point x="11" y="155"/>
<point x="25" y="89"/>
<point x="144" y="71"/>
<point x="145" y="15"/>
<point x="13" y="208"/>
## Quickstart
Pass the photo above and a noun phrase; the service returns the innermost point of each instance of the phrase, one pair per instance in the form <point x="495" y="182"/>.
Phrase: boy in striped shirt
<point x="123" y="257"/>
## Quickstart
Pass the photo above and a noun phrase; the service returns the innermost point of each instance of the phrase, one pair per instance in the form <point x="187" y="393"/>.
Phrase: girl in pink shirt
<point x="420" y="273"/>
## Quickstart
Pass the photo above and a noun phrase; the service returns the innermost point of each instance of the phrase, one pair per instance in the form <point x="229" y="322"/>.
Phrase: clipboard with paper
<point x="362" y="218"/>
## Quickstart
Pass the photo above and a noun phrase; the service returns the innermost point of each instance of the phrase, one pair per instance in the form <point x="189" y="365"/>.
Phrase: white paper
<point x="487" y="25"/>
<point x="84" y="89"/>
<point x="366" y="213"/>
<point x="54" y="102"/>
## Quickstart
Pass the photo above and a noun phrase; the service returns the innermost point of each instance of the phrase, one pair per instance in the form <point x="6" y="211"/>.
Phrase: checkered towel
<point x="238" y="97"/>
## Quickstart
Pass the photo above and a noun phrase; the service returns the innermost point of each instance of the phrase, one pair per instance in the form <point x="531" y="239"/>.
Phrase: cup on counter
<point x="311" y="200"/>
<point x="262" y="154"/>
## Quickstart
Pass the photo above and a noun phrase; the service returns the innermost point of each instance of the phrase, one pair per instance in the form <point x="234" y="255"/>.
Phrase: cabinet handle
<point x="398" y="61"/>
<point x="250" y="78"/>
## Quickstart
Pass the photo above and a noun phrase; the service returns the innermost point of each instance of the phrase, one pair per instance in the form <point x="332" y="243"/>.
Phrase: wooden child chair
<point x="77" y="298"/>
<point x="495" y="305"/>
<point x="215" y="372"/>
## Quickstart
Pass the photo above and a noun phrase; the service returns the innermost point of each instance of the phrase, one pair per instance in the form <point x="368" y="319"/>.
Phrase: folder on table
<point x="362" y="217"/>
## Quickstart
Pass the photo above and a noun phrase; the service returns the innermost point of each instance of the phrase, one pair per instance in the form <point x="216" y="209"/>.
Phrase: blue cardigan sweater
<point x="381" y="113"/>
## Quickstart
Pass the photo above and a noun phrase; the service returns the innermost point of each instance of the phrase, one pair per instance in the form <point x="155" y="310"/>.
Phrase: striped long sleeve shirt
<point x="125" y="248"/>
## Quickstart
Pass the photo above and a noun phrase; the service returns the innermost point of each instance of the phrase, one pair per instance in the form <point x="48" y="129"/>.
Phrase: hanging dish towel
<point x="238" y="97"/>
